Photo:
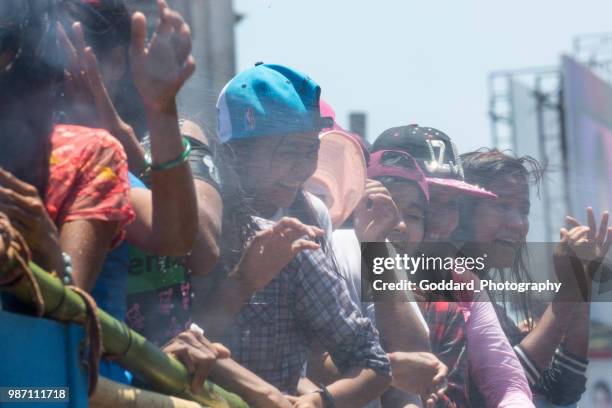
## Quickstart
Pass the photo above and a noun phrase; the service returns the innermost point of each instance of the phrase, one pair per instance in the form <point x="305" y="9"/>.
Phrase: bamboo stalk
<point x="162" y="372"/>
<point x="111" y="394"/>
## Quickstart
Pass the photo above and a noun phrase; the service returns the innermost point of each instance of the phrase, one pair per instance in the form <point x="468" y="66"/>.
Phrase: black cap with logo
<point x="435" y="153"/>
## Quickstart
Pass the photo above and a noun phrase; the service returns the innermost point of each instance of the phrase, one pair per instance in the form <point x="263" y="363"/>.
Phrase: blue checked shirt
<point x="308" y="301"/>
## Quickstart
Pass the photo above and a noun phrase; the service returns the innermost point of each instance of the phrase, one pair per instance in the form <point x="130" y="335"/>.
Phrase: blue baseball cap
<point x="269" y="100"/>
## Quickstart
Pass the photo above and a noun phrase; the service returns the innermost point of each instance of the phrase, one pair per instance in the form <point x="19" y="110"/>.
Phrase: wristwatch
<point x="328" y="400"/>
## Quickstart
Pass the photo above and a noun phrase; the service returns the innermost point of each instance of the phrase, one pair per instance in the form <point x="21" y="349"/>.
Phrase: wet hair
<point x="29" y="86"/>
<point x="107" y="24"/>
<point x="483" y="168"/>
<point x="237" y="217"/>
<point x="238" y="224"/>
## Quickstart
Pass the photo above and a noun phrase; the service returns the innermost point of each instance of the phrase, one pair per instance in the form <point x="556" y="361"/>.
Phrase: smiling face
<point x="443" y="213"/>
<point x="274" y="168"/>
<point x="409" y="232"/>
<point x="502" y="224"/>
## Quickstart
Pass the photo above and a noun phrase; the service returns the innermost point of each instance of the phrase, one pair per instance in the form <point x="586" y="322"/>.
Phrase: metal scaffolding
<point x="545" y="89"/>
<point x="546" y="114"/>
<point x="595" y="51"/>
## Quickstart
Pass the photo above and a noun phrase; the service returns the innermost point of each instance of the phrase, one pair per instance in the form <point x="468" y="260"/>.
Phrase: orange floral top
<point x="88" y="178"/>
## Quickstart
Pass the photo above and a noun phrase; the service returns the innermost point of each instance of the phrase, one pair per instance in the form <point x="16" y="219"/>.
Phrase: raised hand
<point x="576" y="256"/>
<point x="588" y="243"/>
<point x="90" y="103"/>
<point x="161" y="66"/>
<point x="272" y="249"/>
<point x="376" y="214"/>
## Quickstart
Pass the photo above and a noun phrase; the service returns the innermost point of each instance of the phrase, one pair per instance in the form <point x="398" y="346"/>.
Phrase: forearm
<point x="355" y="388"/>
<point x="216" y="312"/>
<point x="175" y="212"/>
<point x="358" y="387"/>
<point x="541" y="343"/>
<point x="576" y="339"/>
<point x="400" y="327"/>
<point x="306" y="386"/>
<point x="85" y="272"/>
<point x="321" y="368"/>
<point x="87" y="242"/>
<point x="235" y="378"/>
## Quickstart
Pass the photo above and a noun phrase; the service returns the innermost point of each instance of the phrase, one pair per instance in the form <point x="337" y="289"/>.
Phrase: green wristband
<point x="172" y="163"/>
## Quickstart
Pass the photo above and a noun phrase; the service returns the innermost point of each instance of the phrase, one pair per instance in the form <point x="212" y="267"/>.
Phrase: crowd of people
<point x="172" y="229"/>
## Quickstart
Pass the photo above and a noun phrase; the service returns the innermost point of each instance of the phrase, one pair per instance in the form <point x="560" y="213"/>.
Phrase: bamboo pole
<point x="111" y="394"/>
<point x="163" y="373"/>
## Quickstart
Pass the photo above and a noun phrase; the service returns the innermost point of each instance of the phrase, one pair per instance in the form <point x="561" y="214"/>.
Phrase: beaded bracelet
<point x="67" y="269"/>
<point x="171" y="163"/>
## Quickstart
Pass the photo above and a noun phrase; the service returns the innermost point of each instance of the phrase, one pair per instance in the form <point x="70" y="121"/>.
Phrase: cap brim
<point x="461" y="187"/>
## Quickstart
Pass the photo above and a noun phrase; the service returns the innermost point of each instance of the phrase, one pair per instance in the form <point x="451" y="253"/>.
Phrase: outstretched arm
<point x="562" y="321"/>
<point x="160" y="68"/>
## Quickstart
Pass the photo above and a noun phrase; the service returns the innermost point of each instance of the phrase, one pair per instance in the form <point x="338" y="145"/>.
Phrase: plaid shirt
<point x="308" y="301"/>
<point x="447" y="334"/>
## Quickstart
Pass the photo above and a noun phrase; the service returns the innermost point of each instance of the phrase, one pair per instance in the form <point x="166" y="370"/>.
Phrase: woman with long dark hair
<point x="554" y="351"/>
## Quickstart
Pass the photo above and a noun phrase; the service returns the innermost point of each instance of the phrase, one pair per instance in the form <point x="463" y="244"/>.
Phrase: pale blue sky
<point x="424" y="62"/>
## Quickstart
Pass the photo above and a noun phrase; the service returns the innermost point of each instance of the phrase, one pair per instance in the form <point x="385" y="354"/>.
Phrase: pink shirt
<point x="493" y="366"/>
